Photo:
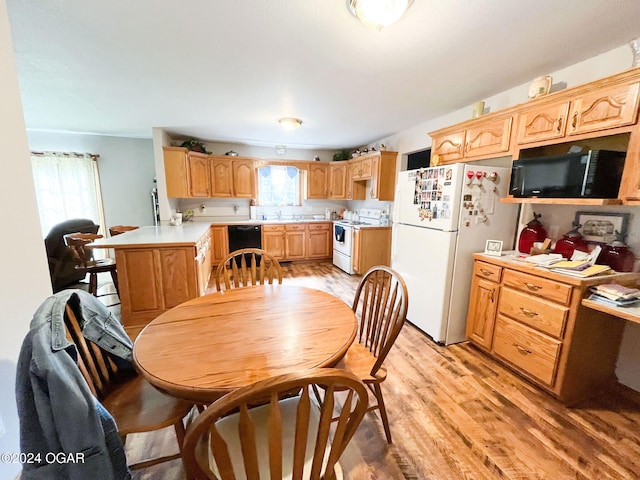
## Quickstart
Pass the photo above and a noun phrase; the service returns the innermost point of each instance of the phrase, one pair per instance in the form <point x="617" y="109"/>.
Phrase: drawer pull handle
<point x="486" y="272"/>
<point x="559" y="127"/>
<point x="528" y="313"/>
<point x="532" y="287"/>
<point x="522" y="350"/>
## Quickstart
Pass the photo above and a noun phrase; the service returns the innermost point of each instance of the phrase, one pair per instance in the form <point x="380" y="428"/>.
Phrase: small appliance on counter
<point x="570" y="242"/>
<point x="532" y="233"/>
<point x="617" y="255"/>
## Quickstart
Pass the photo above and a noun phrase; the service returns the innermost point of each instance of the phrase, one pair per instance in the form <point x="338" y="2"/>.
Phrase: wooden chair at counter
<point x="84" y="260"/>
<point x="118" y="229"/>
<point x="134" y="403"/>
<point x="286" y="434"/>
<point x="380" y="304"/>
<point x="248" y="267"/>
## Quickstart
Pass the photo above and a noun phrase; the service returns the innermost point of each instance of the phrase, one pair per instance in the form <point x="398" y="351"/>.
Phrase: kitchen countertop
<point x="183" y="235"/>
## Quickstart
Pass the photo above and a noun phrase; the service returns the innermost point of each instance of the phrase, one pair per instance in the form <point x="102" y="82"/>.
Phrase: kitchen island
<point x="158" y="268"/>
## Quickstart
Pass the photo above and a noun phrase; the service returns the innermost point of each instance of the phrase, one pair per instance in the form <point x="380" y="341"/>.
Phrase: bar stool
<point x="118" y="229"/>
<point x="85" y="261"/>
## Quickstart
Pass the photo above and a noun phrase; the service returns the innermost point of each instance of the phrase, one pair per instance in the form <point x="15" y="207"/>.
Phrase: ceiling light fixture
<point x="290" y="123"/>
<point x="378" y="13"/>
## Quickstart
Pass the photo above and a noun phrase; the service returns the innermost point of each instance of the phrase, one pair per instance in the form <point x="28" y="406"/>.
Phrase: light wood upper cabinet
<point x="176" y="172"/>
<point x="317" y="180"/>
<point x="605" y="108"/>
<point x="488" y="138"/>
<point x="543" y="123"/>
<point x="244" y="178"/>
<point x="338" y="180"/>
<point x="232" y="178"/>
<point x="199" y="184"/>
<point x="377" y="171"/>
<point x="362" y="168"/>
<point x="480" y="138"/>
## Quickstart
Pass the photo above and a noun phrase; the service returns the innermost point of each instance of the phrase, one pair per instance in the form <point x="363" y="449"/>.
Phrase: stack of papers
<point x="614" y="294"/>
<point x="582" y="271"/>
<point x="544" y="259"/>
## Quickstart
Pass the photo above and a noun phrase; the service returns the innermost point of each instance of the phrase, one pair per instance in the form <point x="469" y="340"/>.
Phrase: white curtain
<point x="67" y="186"/>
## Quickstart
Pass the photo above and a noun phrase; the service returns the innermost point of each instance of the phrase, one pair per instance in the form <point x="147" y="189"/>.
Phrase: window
<point x="278" y="186"/>
<point x="67" y="186"/>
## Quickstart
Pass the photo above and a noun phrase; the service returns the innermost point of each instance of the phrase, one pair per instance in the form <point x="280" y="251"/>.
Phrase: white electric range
<point x="343" y="236"/>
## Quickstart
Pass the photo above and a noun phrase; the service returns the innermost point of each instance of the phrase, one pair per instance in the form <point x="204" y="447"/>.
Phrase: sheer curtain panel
<point x="67" y="186"/>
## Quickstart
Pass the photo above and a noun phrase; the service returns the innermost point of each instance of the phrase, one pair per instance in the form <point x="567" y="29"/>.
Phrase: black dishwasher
<point x="245" y="236"/>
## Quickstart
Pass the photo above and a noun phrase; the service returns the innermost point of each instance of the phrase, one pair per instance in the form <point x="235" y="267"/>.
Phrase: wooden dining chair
<point x="247" y="267"/>
<point x="287" y="436"/>
<point x="380" y="304"/>
<point x="85" y="262"/>
<point x="118" y="229"/>
<point x="133" y="402"/>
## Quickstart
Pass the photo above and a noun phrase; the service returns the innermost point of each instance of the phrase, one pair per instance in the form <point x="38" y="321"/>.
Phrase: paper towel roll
<point x="252" y="212"/>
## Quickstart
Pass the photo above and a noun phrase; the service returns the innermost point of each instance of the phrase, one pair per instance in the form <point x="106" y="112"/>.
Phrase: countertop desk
<point x="219" y="342"/>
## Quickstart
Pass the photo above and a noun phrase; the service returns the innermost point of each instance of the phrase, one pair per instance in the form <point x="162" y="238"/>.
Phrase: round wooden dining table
<point x="219" y="342"/>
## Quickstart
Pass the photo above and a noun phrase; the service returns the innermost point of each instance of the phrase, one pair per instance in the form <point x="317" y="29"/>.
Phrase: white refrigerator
<point x="441" y="216"/>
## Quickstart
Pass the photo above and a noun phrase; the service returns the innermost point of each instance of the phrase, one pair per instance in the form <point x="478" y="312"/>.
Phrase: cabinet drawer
<point x="558" y="292"/>
<point x="488" y="271"/>
<point x="319" y="226"/>
<point x="273" y="228"/>
<point x="294" y="227"/>
<point x="533" y="311"/>
<point x="531" y="351"/>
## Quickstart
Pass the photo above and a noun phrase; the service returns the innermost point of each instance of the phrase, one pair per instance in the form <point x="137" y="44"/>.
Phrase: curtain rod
<point x="93" y="156"/>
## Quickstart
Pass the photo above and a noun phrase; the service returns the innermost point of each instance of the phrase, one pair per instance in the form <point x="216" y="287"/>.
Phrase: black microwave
<point x="592" y="174"/>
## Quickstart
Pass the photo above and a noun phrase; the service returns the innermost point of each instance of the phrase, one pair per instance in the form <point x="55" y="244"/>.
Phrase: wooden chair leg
<point x="114" y="277"/>
<point x="377" y="390"/>
<point x="93" y="284"/>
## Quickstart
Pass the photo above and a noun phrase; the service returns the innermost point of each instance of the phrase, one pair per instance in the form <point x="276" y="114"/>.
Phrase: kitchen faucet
<point x="279" y="214"/>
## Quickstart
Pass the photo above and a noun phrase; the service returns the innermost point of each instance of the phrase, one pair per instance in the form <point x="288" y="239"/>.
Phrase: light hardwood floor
<point x="457" y="414"/>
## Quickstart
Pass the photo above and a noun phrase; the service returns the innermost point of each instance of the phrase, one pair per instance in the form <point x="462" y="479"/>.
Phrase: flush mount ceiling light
<point x="290" y="123"/>
<point x="378" y="13"/>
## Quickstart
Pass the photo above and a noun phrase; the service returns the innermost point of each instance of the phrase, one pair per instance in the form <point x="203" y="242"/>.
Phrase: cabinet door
<point x="244" y="179"/>
<point x="294" y="241"/>
<point x="317" y="180"/>
<point x="319" y="241"/>
<point x="199" y="177"/>
<point x="448" y="148"/>
<point x="375" y="176"/>
<point x="273" y="240"/>
<point x="604" y="108"/>
<point x="366" y="168"/>
<point x="356" y="253"/>
<point x="338" y="181"/>
<point x="544" y="123"/>
<point x="175" y="171"/>
<point x="221" y="177"/>
<point x="483" y="307"/>
<point x="492" y="137"/>
<point x="219" y="243"/>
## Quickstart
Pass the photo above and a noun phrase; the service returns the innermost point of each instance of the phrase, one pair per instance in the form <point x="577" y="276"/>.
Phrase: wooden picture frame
<point x="600" y="227"/>
<point x="493" y="247"/>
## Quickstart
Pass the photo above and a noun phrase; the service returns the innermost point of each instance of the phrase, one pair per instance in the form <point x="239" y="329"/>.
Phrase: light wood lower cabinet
<point x="298" y="241"/>
<point x="371" y="246"/>
<point x="154" y="279"/>
<point x="219" y="243"/>
<point x="533" y="321"/>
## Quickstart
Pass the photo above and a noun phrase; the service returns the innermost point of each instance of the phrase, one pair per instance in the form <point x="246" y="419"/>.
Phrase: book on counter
<point x="614" y="303"/>
<point x="614" y="291"/>
<point x="588" y="271"/>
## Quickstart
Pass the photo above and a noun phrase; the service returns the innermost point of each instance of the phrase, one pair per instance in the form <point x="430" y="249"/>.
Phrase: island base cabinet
<point x="153" y="280"/>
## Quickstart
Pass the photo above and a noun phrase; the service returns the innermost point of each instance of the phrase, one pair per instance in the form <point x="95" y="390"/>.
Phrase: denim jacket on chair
<point x="60" y="419"/>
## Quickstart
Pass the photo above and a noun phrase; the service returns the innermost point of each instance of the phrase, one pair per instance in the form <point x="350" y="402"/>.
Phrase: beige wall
<point x="24" y="281"/>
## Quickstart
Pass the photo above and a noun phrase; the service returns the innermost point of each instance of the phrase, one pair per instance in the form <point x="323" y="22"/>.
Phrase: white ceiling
<point x="227" y="70"/>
